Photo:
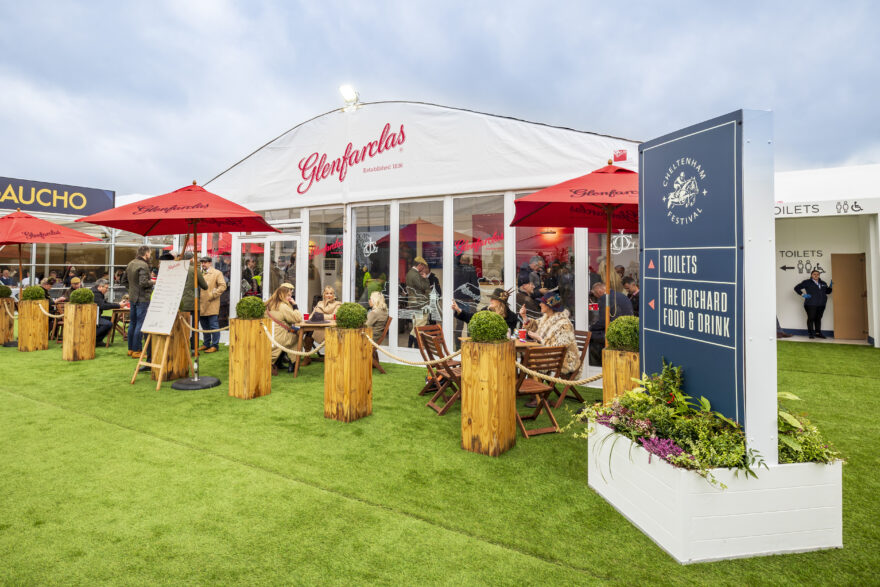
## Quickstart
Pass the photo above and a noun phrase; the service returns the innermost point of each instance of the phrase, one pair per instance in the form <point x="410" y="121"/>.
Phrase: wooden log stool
<point x="250" y="358"/>
<point x="33" y="326"/>
<point x="348" y="374"/>
<point x="488" y="397"/>
<point x="80" y="321"/>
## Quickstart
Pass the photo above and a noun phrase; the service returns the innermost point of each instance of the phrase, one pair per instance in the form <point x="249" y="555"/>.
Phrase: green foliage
<point x="5" y="291"/>
<point x="33" y="292"/>
<point x="799" y="440"/>
<point x="487" y="326"/>
<point x="250" y="308"/>
<point x="623" y="334"/>
<point x="351" y="315"/>
<point x="82" y="295"/>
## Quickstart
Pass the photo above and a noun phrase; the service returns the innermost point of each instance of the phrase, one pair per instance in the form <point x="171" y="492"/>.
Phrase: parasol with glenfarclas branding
<point x="20" y="228"/>
<point x="187" y="210"/>
<point x="599" y="200"/>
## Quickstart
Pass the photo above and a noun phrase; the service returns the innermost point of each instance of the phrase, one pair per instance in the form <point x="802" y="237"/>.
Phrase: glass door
<point x="260" y="264"/>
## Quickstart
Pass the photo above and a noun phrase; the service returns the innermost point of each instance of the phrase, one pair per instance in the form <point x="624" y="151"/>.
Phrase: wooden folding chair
<point x="376" y="364"/>
<point x="583" y="341"/>
<point x="56" y="330"/>
<point x="449" y="379"/>
<point x="547" y="360"/>
<point x="432" y="379"/>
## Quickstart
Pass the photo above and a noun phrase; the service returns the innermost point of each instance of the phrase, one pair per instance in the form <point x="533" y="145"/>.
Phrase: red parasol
<point x="599" y="200"/>
<point x="188" y="210"/>
<point x="20" y="228"/>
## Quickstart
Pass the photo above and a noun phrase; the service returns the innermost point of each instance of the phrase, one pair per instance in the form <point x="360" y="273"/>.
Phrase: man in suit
<point x="104" y="325"/>
<point x="620" y="306"/>
<point x="815" y="293"/>
<point x="209" y="305"/>
<point x="631" y="287"/>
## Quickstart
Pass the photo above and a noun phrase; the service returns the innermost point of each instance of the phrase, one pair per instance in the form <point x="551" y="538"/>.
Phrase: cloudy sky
<point x="143" y="97"/>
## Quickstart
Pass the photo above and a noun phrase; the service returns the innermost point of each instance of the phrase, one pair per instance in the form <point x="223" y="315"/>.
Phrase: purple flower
<point x="662" y="447"/>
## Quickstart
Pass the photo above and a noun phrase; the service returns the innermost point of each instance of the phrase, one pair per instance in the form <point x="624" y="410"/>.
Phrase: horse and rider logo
<point x="682" y="202"/>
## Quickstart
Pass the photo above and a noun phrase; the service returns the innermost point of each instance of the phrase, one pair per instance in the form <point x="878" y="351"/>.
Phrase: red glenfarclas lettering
<point x="315" y="167"/>
<point x="324" y="250"/>
<point x="462" y="246"/>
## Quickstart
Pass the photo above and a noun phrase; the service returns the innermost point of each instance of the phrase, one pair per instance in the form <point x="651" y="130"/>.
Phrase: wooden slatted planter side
<point x="178" y="363"/>
<point x="33" y="326"/>
<point x="80" y="322"/>
<point x="488" y="397"/>
<point x="7" y="324"/>
<point x="618" y="370"/>
<point x="348" y="374"/>
<point x="250" y="359"/>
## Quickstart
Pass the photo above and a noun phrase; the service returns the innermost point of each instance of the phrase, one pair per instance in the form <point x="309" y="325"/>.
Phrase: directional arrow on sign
<point x="651" y="264"/>
<point x="786" y="267"/>
<point x="651" y="303"/>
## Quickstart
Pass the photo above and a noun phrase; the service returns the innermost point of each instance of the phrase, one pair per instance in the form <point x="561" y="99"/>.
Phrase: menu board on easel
<point x="166" y="297"/>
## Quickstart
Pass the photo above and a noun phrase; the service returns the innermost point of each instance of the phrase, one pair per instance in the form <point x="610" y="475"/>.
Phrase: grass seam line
<point x="316" y="486"/>
<point x="828" y="373"/>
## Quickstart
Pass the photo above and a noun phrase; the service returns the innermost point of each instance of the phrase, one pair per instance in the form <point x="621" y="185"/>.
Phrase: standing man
<point x="418" y="292"/>
<point x="209" y="305"/>
<point x="631" y="287"/>
<point x="104" y="325"/>
<point x="815" y="293"/>
<point x="140" y="287"/>
<point x="187" y="300"/>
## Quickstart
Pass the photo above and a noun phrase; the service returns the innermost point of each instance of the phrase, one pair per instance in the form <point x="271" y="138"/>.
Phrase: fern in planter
<point x="82" y="295"/>
<point x="623" y="334"/>
<point x="250" y="308"/>
<point x="351" y="315"/>
<point x="487" y="326"/>
<point x="33" y="292"/>
<point x="5" y="291"/>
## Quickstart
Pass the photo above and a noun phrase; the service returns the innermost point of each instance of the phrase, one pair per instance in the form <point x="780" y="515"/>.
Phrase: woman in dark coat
<point x="815" y="293"/>
<point x="497" y="304"/>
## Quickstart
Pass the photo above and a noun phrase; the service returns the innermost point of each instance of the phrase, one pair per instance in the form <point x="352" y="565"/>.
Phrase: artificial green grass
<point x="106" y="482"/>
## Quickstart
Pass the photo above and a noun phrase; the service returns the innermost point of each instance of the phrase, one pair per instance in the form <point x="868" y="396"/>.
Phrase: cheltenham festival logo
<point x="681" y="203"/>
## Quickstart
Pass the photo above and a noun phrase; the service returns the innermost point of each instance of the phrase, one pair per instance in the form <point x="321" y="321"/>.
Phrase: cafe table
<point x="306" y="330"/>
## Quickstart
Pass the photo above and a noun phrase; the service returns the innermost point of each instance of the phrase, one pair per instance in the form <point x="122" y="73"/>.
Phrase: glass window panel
<point x="421" y="237"/>
<point x="478" y="255"/>
<point x="545" y="259"/>
<point x="325" y="255"/>
<point x="371" y="257"/>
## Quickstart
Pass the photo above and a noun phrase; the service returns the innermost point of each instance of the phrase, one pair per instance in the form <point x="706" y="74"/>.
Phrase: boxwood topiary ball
<point x="33" y="292"/>
<point x="623" y="334"/>
<point x="82" y="295"/>
<point x="5" y="291"/>
<point x="487" y="326"/>
<point x="250" y="308"/>
<point x="351" y="315"/>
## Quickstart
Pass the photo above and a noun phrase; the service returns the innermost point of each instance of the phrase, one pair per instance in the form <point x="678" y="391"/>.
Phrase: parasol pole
<point x="197" y="302"/>
<point x="20" y="273"/>
<point x="608" y="210"/>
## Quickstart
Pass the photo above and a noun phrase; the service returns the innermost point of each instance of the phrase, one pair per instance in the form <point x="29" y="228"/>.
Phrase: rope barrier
<point x="6" y="307"/>
<point x="291" y="351"/>
<point x="546" y="377"/>
<point x="40" y="306"/>
<point x="182" y="321"/>
<point x="417" y="363"/>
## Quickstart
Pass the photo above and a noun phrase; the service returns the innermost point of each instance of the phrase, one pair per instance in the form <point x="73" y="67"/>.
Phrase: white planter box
<point x="788" y="508"/>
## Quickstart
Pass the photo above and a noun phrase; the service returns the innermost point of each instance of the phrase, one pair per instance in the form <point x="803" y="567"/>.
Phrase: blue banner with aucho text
<point x="690" y="237"/>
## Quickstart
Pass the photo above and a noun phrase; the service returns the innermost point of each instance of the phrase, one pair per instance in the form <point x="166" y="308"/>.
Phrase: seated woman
<point x="377" y="317"/>
<point x="554" y="328"/>
<point x="327" y="306"/>
<point x="497" y="304"/>
<point x="286" y="319"/>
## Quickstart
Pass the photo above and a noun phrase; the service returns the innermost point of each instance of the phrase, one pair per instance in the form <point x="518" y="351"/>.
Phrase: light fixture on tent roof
<point x="351" y="97"/>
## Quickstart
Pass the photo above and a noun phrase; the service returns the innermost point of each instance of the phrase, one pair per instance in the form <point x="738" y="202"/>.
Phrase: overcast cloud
<point x="147" y="96"/>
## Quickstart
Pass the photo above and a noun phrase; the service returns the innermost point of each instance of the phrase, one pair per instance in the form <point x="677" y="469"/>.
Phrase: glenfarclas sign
<point x="316" y="167"/>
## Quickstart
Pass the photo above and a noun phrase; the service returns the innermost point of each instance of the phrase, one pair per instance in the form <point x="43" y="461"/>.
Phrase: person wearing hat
<point x="209" y="305"/>
<point x="526" y="298"/>
<point x="620" y="305"/>
<point x="286" y="319"/>
<point x="418" y="294"/>
<point x="554" y="328"/>
<point x="188" y="299"/>
<point x="75" y="284"/>
<point x="497" y="304"/>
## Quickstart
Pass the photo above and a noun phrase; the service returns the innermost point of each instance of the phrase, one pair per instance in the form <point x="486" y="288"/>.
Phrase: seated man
<point x="104" y="325"/>
<point x="620" y="306"/>
<point x="75" y="284"/>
